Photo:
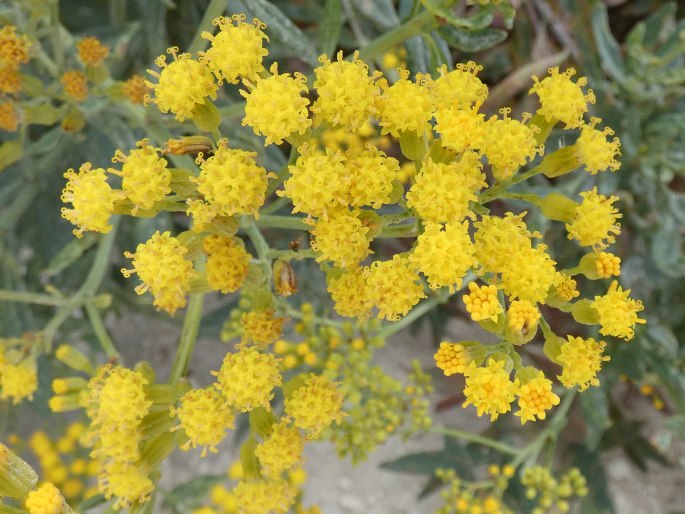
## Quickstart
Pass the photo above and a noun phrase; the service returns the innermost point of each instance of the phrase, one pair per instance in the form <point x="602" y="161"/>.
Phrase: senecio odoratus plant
<point x="345" y="191"/>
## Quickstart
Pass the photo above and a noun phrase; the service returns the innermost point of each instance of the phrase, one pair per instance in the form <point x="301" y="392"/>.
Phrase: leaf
<point x="431" y="485"/>
<point x="658" y="22"/>
<point x="437" y="57"/>
<point x="417" y="55"/>
<point x="594" y="404"/>
<point x="381" y="12"/>
<point x="187" y="496"/>
<point x="426" y="463"/>
<point x="91" y="503"/>
<point x="69" y="254"/>
<point x="472" y="40"/>
<point x="480" y="20"/>
<point x="282" y="29"/>
<point x="598" y="500"/>
<point x="608" y="48"/>
<point x="665" y="339"/>
<point x="331" y="24"/>
<point x="10" y="152"/>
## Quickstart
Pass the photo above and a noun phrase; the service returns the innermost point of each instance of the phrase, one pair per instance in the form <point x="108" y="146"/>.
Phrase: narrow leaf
<point x="472" y="40"/>
<point x="329" y="30"/>
<point x="608" y="48"/>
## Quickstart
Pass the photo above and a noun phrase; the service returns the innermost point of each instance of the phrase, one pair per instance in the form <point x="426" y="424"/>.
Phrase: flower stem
<point x="100" y="331"/>
<point x="35" y="298"/>
<point x="186" y="344"/>
<point x="496" y="191"/>
<point x="476" y="438"/>
<point x="285" y="222"/>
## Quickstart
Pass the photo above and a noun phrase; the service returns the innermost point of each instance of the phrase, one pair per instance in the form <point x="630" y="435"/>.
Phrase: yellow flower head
<point x="497" y="238"/>
<point x="135" y="89"/>
<point x="227" y="263"/>
<point x="318" y="182"/>
<point x="347" y="94"/>
<point x="595" y="151"/>
<point x="9" y="120"/>
<point x="460" y="85"/>
<point x="600" y="265"/>
<point x="146" y="179"/>
<point x="91" y="197"/>
<point x="315" y="405"/>
<point x="482" y="302"/>
<point x="341" y="238"/>
<point x="350" y="293"/>
<point x="263" y="496"/>
<point x="529" y="273"/>
<point x="617" y="312"/>
<point x="460" y="128"/>
<point x="561" y="99"/>
<point x="75" y="85"/>
<point x="121" y="398"/>
<point x="581" y="360"/>
<point x="452" y="358"/>
<point x="566" y="287"/>
<point x="18" y="381"/>
<point x="595" y="222"/>
<point x="204" y="417"/>
<point x="10" y="80"/>
<point x="444" y="254"/>
<point x="182" y="85"/>
<point x="46" y="499"/>
<point x="535" y="395"/>
<point x="237" y="50"/>
<point x="442" y="192"/>
<point x="508" y="144"/>
<point x="522" y="320"/>
<point x="394" y="287"/>
<point x="261" y="327"/>
<point x="275" y="107"/>
<point x="116" y="442"/>
<point x="14" y="48"/>
<point x="202" y="214"/>
<point x="163" y="269"/>
<point x="489" y="389"/>
<point x="406" y="106"/>
<point x="281" y="451"/>
<point x="233" y="181"/>
<point x="371" y="174"/>
<point x="247" y="378"/>
<point x="128" y="483"/>
<point x="91" y="51"/>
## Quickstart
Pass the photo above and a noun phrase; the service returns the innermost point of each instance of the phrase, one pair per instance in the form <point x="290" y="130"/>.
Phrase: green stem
<point x="260" y="244"/>
<point x="392" y="328"/>
<point x="100" y="331"/>
<point x="286" y="222"/>
<point x="186" y="344"/>
<point x="404" y="230"/>
<point x="475" y="438"/>
<point x="275" y="205"/>
<point x="214" y="9"/>
<point x="35" y="298"/>
<point x="495" y="191"/>
<point x="424" y="22"/>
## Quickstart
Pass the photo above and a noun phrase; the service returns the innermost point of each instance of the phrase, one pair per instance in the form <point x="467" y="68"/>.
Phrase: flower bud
<point x="17" y="478"/>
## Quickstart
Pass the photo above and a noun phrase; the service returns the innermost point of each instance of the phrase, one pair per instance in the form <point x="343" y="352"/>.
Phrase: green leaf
<point x="481" y="19"/>
<point x="381" y="13"/>
<point x="91" y="503"/>
<point x="659" y="22"/>
<point x="10" y="152"/>
<point x="69" y="254"/>
<point x="331" y="24"/>
<point x="664" y="338"/>
<point x="594" y="404"/>
<point x="282" y="29"/>
<point x="608" y="48"/>
<point x="426" y="463"/>
<point x="598" y="500"/>
<point x="185" y="497"/>
<point x="472" y="40"/>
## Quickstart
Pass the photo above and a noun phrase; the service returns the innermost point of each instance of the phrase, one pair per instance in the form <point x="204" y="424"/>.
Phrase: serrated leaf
<point x="284" y="31"/>
<point x="609" y="51"/>
<point x="472" y="40"/>
<point x="331" y="24"/>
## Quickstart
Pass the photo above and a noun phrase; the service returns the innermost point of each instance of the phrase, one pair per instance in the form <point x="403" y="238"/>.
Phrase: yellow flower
<point x="91" y="197"/>
<point x="127" y="482"/>
<point x="9" y="121"/>
<point x="46" y="499"/>
<point x="18" y="381"/>
<point x="135" y="89"/>
<point x="10" y="80"/>
<point x="204" y="418"/>
<point x="489" y="389"/>
<point x="617" y="312"/>
<point x="318" y="182"/>
<point x="595" y="221"/>
<point x="460" y="127"/>
<point x="406" y="106"/>
<point x="497" y="238"/>
<point x="341" y="238"/>
<point x="441" y="192"/>
<point x="394" y="287"/>
<point x="452" y="358"/>
<point x="14" y="48"/>
<point x="566" y="287"/>
<point x="121" y="397"/>
<point x="561" y="99"/>
<point x="444" y="254"/>
<point x="581" y="360"/>
<point x="528" y="274"/>
<point x="315" y="405"/>
<point x="247" y="378"/>
<point x="202" y="214"/>
<point x="237" y="50"/>
<point x="146" y="179"/>
<point x="347" y="94"/>
<point x="508" y="144"/>
<point x="227" y="263"/>
<point x="522" y="321"/>
<point x="460" y="86"/>
<point x="182" y="85"/>
<point x="264" y="496"/>
<point x="350" y="293"/>
<point x="371" y="174"/>
<point x="482" y="302"/>
<point x="595" y="150"/>
<point x="275" y="107"/>
<point x="91" y="51"/>
<point x="75" y="85"/>
<point x="535" y="395"/>
<point x="598" y="265"/>
<point x="163" y="269"/>
<point x="281" y="451"/>
<point x="261" y="327"/>
<point x="232" y="181"/>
